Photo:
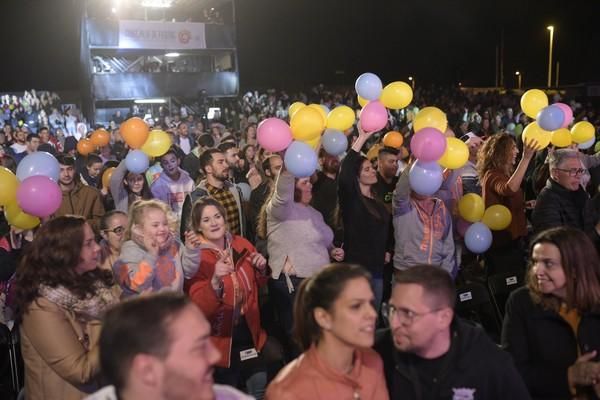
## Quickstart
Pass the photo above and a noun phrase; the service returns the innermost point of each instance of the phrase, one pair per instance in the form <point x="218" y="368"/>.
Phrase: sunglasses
<point x="117" y="230"/>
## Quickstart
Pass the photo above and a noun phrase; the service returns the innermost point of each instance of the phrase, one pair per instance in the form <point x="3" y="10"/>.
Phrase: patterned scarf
<point x="89" y="308"/>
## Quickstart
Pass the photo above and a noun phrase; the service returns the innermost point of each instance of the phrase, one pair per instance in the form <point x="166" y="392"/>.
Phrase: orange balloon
<point x="393" y="139"/>
<point x="85" y="147"/>
<point x="100" y="137"/>
<point x="135" y="132"/>
<point x="106" y="176"/>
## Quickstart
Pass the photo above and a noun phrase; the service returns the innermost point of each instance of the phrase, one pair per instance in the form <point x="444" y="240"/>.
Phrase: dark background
<point x="289" y="43"/>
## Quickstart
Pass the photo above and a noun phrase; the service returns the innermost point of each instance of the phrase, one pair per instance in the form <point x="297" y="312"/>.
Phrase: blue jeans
<point x="377" y="285"/>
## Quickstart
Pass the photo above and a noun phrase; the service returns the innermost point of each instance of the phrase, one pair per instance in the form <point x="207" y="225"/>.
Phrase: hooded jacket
<point x="173" y="192"/>
<point x="82" y="200"/>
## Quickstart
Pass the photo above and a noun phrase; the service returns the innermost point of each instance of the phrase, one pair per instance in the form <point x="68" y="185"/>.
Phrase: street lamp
<point x="551" y="29"/>
<point x="412" y="82"/>
<point x="519" y="79"/>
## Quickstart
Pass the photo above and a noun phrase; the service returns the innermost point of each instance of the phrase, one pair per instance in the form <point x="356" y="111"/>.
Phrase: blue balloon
<point x="425" y="178"/>
<point x="478" y="238"/>
<point x="38" y="163"/>
<point x="325" y="108"/>
<point x="137" y="161"/>
<point x="550" y="118"/>
<point x="368" y="86"/>
<point x="300" y="159"/>
<point x="587" y="145"/>
<point x="334" y="142"/>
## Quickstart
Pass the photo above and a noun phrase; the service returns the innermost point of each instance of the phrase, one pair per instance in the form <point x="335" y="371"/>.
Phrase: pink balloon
<point x="568" y="114"/>
<point x="428" y="144"/>
<point x="274" y="134"/>
<point x="462" y="226"/>
<point x="373" y="117"/>
<point x="38" y="195"/>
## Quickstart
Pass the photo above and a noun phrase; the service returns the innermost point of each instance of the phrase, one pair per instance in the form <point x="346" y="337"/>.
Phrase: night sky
<point x="287" y="43"/>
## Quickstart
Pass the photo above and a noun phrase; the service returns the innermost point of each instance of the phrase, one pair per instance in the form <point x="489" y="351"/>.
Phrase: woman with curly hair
<point x="501" y="184"/>
<point x="61" y="295"/>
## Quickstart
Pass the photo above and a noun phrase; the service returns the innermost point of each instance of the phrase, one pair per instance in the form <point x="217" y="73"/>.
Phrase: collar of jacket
<point x="551" y="184"/>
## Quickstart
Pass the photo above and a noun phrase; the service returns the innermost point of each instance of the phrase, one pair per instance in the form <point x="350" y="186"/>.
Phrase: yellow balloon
<point x="17" y="218"/>
<point x="307" y="124"/>
<point x="321" y="111"/>
<point x="396" y="95"/>
<point x="157" y="144"/>
<point x="362" y="102"/>
<point x="456" y="154"/>
<point x="533" y="101"/>
<point x="340" y="118"/>
<point x="497" y="217"/>
<point x="295" y="107"/>
<point x="374" y="151"/>
<point x="471" y="207"/>
<point x="314" y="143"/>
<point x="534" y="132"/>
<point x="8" y="186"/>
<point x="430" y="117"/>
<point x="561" y="137"/>
<point x="582" y="132"/>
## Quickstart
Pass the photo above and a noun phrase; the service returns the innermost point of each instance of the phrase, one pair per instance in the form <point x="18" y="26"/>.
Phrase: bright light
<point x="550" y="27"/>
<point x="157" y="3"/>
<point x="410" y="78"/>
<point x="172" y="55"/>
<point x="114" y="10"/>
<point x="150" y="101"/>
<point x="517" y="73"/>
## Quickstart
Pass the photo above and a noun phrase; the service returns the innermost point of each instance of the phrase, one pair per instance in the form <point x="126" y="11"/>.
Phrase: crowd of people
<point x="218" y="273"/>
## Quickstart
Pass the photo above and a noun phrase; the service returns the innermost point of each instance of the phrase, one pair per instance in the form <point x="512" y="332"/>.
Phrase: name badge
<point x="248" y="354"/>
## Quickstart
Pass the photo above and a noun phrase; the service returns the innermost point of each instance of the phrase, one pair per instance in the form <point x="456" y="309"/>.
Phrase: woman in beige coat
<point x="61" y="295"/>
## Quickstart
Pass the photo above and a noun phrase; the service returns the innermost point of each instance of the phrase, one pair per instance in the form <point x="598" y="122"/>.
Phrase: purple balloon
<point x="550" y="118"/>
<point x="274" y="134"/>
<point x="567" y="111"/>
<point x="368" y="86"/>
<point x="300" y="159"/>
<point x="478" y="238"/>
<point x="428" y="144"/>
<point x="373" y="117"/>
<point x="425" y="178"/>
<point x="38" y="195"/>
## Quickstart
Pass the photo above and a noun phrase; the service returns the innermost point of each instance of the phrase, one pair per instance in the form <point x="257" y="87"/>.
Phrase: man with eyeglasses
<point x="429" y="353"/>
<point x="564" y="201"/>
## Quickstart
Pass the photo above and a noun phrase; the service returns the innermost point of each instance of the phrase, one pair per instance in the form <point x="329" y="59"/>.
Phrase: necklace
<point x="356" y="395"/>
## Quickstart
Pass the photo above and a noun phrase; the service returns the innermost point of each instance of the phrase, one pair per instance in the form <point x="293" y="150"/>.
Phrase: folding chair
<point x="500" y="286"/>
<point x="11" y="363"/>
<point x="473" y="303"/>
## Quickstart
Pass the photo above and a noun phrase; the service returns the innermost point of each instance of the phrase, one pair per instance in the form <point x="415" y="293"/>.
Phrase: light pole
<point x="551" y="29"/>
<point x="412" y="82"/>
<point x="519" y="79"/>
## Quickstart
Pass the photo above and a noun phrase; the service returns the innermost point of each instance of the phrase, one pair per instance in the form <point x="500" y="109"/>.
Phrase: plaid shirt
<point x="225" y="197"/>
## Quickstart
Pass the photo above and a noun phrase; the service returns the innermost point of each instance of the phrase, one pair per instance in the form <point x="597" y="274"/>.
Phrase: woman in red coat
<point x="226" y="289"/>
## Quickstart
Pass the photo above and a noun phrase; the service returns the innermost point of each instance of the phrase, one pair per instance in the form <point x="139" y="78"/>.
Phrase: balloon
<point x="368" y="86"/>
<point x="245" y="189"/>
<point x="35" y="188"/>
<point x="307" y="123"/>
<point x="157" y="144"/>
<point x="274" y="134"/>
<point x="568" y="113"/>
<point x="85" y="147"/>
<point x="300" y="159"/>
<point x="314" y="143"/>
<point x="582" y="132"/>
<point x="340" y="118"/>
<point x="8" y="186"/>
<point x="396" y="95"/>
<point x="362" y="102"/>
<point x="373" y="152"/>
<point x="17" y="218"/>
<point x="106" y="176"/>
<point x="586" y="145"/>
<point x="533" y="101"/>
<point x="334" y="142"/>
<point x="100" y="137"/>
<point x="135" y="132"/>
<point x="550" y="118"/>
<point x="38" y="163"/>
<point x="295" y="107"/>
<point x="393" y="139"/>
<point x="428" y="144"/>
<point x="430" y="117"/>
<point x="321" y="111"/>
<point x="471" y="207"/>
<point x="373" y="117"/>
<point x="534" y="132"/>
<point x="137" y="161"/>
<point x="561" y="137"/>
<point x="478" y="238"/>
<point x="425" y="178"/>
<point x="497" y="217"/>
<point x="456" y="154"/>
<point x="325" y="108"/>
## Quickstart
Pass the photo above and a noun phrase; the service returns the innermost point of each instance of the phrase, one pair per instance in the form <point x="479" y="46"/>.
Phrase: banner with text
<point x="161" y="35"/>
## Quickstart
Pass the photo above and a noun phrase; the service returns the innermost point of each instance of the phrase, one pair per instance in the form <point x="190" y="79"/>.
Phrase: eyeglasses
<point x="573" y="171"/>
<point x="390" y="312"/>
<point x="117" y="230"/>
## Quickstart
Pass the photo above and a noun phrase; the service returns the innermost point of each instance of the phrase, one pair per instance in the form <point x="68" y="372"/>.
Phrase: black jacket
<point x="543" y="345"/>
<point x="474" y="363"/>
